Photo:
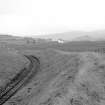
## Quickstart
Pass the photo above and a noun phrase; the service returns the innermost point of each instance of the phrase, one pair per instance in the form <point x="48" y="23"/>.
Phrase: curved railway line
<point x="20" y="80"/>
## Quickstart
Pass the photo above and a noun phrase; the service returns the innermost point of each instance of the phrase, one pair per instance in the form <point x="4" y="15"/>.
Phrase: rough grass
<point x="11" y="62"/>
<point x="65" y="78"/>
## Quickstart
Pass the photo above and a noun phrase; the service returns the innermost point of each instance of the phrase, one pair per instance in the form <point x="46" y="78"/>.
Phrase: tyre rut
<point x="20" y="80"/>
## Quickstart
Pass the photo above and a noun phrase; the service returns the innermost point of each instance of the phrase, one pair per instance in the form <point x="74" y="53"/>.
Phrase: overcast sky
<point x="26" y="17"/>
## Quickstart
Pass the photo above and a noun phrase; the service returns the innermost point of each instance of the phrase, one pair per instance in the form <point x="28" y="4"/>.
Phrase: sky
<point x="33" y="17"/>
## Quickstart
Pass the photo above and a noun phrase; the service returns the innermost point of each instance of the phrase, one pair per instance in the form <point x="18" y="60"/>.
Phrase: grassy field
<point x="96" y="46"/>
<point x="72" y="73"/>
<point x="22" y="44"/>
<point x="65" y="78"/>
<point x="11" y="62"/>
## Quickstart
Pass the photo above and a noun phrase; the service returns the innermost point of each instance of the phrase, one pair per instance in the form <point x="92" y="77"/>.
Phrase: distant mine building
<point x="60" y="41"/>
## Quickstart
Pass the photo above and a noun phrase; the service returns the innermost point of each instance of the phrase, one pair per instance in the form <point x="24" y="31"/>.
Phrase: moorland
<point x="71" y="73"/>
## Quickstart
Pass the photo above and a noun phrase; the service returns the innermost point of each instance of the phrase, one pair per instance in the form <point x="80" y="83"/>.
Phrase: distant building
<point x="60" y="41"/>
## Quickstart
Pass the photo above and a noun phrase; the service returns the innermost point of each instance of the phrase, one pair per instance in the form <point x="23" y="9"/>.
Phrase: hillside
<point x="31" y="44"/>
<point x="71" y="35"/>
<point x="65" y="78"/>
<point x="70" y="73"/>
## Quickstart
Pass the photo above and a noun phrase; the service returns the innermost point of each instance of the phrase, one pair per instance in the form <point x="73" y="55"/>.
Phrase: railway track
<point x="20" y="80"/>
